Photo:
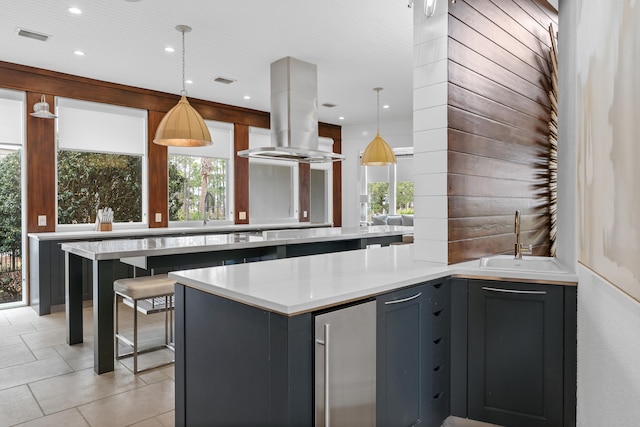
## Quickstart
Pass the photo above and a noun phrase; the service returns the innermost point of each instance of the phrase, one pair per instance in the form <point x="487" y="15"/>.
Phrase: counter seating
<point x="133" y="291"/>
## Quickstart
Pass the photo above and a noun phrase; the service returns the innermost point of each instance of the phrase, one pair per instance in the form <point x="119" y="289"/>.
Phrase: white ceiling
<point x="356" y="44"/>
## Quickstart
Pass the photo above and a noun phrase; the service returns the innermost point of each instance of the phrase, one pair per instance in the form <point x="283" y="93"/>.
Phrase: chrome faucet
<point x="520" y="248"/>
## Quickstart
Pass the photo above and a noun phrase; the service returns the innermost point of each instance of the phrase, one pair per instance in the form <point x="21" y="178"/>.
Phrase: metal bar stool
<point x="137" y="289"/>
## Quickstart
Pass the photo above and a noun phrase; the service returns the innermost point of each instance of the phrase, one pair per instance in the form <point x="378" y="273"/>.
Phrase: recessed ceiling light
<point x="78" y="52"/>
<point x="189" y="82"/>
<point x="341" y="118"/>
<point x="247" y="97"/>
<point x="75" y="10"/>
<point x="385" y="107"/>
<point x="169" y="49"/>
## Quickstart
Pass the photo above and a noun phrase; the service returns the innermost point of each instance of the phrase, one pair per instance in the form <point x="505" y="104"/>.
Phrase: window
<point x="200" y="178"/>
<point x="12" y="238"/>
<point x="273" y="184"/>
<point x="389" y="189"/>
<point x="101" y="150"/>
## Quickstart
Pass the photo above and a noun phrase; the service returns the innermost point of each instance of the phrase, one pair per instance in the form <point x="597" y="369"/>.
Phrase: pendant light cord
<point x="184" y="90"/>
<point x="378" y="89"/>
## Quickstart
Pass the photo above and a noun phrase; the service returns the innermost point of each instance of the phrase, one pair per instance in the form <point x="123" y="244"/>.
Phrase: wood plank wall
<point x="498" y="112"/>
<point x="40" y="144"/>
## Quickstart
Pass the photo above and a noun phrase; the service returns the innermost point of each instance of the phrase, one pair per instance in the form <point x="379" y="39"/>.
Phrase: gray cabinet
<point x="413" y="353"/>
<point x="515" y="359"/>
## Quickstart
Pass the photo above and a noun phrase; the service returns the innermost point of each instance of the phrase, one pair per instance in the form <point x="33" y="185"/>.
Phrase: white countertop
<point x="151" y="232"/>
<point x="157" y="246"/>
<point x="297" y="285"/>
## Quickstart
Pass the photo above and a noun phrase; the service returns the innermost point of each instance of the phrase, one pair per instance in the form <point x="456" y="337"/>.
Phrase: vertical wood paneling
<point x="241" y="173"/>
<point x="335" y="132"/>
<point x="41" y="167"/>
<point x="304" y="192"/>
<point x="158" y="174"/>
<point x="497" y="117"/>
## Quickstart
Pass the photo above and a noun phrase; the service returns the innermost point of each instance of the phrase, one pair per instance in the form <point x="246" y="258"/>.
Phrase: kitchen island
<point x="46" y="259"/>
<point x="112" y="259"/>
<point x="247" y="348"/>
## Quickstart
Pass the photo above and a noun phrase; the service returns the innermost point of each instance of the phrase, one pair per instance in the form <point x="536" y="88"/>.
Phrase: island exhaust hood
<point x="294" y="115"/>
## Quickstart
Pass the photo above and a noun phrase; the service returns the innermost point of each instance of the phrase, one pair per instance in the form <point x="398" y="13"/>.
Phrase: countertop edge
<point x="420" y="272"/>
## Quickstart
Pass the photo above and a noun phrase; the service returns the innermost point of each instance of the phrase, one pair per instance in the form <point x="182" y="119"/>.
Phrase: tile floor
<point x="45" y="382"/>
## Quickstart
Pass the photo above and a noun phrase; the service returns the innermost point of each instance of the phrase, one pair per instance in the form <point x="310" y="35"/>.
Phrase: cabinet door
<point x="515" y="353"/>
<point x="403" y="361"/>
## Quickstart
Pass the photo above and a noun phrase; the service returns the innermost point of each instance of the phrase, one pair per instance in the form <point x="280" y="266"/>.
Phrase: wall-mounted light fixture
<point x="41" y="110"/>
<point x="429" y="6"/>
<point x="183" y="126"/>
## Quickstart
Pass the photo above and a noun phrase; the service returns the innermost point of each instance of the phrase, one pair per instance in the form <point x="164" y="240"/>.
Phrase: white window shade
<point x="404" y="169"/>
<point x="259" y="137"/>
<point x="101" y="128"/>
<point x="222" y="137"/>
<point x="12" y="112"/>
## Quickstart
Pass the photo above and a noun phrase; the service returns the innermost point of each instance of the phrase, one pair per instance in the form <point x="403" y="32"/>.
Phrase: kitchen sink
<point x="527" y="263"/>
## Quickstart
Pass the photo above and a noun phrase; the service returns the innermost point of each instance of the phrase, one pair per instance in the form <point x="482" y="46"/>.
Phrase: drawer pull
<point x="438" y="396"/>
<point x="437" y="313"/>
<point x="437" y="341"/>
<point x="398" y="301"/>
<point x="437" y="368"/>
<point x="513" y="291"/>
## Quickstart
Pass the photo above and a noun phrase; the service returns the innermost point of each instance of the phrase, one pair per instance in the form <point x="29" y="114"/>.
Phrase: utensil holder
<point x="105" y="226"/>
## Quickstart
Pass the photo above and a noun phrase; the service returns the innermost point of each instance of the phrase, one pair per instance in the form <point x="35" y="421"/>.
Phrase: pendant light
<point x="183" y="126"/>
<point x="378" y="152"/>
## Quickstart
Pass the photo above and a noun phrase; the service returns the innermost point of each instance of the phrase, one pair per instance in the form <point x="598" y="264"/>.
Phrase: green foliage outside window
<point x="404" y="197"/>
<point x="191" y="180"/>
<point x="10" y="228"/>
<point x="90" y="181"/>
<point x="379" y="198"/>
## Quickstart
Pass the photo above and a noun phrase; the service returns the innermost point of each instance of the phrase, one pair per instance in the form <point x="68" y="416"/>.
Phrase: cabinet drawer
<point x="437" y="296"/>
<point x="439" y="351"/>
<point x="440" y="378"/>
<point x="439" y="324"/>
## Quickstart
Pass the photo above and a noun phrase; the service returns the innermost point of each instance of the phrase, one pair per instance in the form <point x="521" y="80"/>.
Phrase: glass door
<point x="12" y="238"/>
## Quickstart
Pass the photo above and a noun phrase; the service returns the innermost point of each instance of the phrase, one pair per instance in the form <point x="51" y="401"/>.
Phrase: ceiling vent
<point x="223" y="80"/>
<point x="32" y="35"/>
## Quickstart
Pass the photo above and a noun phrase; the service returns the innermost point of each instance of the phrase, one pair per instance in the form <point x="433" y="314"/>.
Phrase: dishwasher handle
<point x="325" y="343"/>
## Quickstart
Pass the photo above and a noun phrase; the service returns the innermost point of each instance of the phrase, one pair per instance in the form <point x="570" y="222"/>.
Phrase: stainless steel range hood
<point x="294" y="115"/>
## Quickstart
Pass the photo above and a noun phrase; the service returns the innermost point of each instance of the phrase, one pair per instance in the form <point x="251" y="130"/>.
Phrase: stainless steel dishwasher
<point x="345" y="377"/>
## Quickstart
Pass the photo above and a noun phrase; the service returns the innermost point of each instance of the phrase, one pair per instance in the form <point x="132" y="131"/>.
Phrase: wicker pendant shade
<point x="183" y="126"/>
<point x="378" y="152"/>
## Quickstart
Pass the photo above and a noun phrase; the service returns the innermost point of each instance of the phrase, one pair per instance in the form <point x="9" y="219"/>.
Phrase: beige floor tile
<point x="32" y="371"/>
<point x="17" y="405"/>
<point x="11" y="355"/>
<point x="81" y="387"/>
<point x="151" y="422"/>
<point x="45" y="353"/>
<point x="22" y="315"/>
<point x="130" y="407"/>
<point x="48" y="338"/>
<point x="15" y="329"/>
<point x="149" y="360"/>
<point x="3" y="320"/>
<point x="156" y="375"/>
<point x="68" y="418"/>
<point x="50" y="321"/>
<point x="77" y="350"/>
<point x="168" y="419"/>
<point x="10" y="340"/>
